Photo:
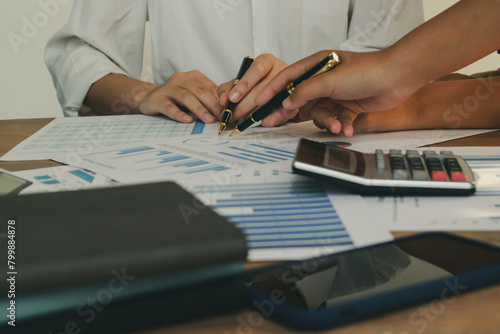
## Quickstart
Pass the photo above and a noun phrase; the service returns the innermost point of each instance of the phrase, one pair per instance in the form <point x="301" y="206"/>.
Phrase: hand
<point x="363" y="82"/>
<point x="262" y="70"/>
<point x="191" y="91"/>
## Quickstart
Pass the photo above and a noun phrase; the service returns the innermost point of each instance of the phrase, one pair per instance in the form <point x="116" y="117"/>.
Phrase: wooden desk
<point x="475" y="312"/>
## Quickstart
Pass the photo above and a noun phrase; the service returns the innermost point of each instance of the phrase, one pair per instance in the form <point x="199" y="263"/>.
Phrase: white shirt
<point x="107" y="36"/>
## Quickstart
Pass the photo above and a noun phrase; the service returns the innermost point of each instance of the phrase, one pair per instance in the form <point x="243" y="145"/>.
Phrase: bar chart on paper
<point x="85" y="133"/>
<point x="243" y="153"/>
<point x="177" y="158"/>
<point x="281" y="219"/>
<point x="142" y="163"/>
<point x="62" y="178"/>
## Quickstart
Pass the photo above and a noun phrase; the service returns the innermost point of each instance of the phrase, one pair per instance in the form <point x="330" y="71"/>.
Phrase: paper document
<point x="286" y="216"/>
<point x="82" y="134"/>
<point x="361" y="141"/>
<point x="62" y="178"/>
<point x="135" y="163"/>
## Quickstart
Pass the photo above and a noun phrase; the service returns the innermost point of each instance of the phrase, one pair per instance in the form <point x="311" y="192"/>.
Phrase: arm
<point x="96" y="59"/>
<point x="191" y="91"/>
<point x="380" y="80"/>
<point x="373" y="26"/>
<point x="88" y="48"/>
<point x="461" y="104"/>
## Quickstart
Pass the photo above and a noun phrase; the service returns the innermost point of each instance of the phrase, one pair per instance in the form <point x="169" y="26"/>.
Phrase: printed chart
<point x="62" y="178"/>
<point x="284" y="216"/>
<point x="84" y="134"/>
<point x="177" y="159"/>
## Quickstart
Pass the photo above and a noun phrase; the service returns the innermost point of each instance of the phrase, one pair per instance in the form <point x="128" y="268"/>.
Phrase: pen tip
<point x="235" y="132"/>
<point x="222" y="127"/>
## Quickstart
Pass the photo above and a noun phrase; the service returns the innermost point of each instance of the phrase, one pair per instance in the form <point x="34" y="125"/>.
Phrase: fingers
<point x="287" y="75"/>
<point x="259" y="69"/>
<point x="262" y="70"/>
<point x="278" y="117"/>
<point x="222" y="92"/>
<point x="192" y="91"/>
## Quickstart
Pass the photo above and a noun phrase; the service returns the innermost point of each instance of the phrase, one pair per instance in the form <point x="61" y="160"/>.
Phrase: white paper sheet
<point x="83" y="134"/>
<point x="179" y="158"/>
<point x="286" y="216"/>
<point x="361" y="141"/>
<point x="62" y="178"/>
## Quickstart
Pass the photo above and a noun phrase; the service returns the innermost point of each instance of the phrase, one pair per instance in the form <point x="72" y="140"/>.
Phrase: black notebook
<point x="143" y="233"/>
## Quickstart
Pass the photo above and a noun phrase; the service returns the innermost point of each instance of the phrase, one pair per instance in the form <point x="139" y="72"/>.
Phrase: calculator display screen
<point x="339" y="160"/>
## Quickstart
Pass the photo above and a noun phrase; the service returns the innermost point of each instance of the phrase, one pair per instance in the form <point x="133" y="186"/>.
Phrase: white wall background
<point x="26" y="89"/>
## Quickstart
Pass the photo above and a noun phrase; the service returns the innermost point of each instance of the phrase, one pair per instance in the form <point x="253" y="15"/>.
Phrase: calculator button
<point x="398" y="165"/>
<point x="430" y="155"/>
<point x="395" y="153"/>
<point x="380" y="161"/>
<point x="412" y="154"/>
<point x="458" y="176"/>
<point x="447" y="154"/>
<point x="420" y="175"/>
<point x="415" y="163"/>
<point x="400" y="174"/>
<point x="454" y="170"/>
<point x="438" y="175"/>
<point x="436" y="169"/>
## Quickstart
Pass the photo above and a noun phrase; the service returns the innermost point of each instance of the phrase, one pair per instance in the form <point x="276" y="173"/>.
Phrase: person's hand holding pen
<point x="260" y="73"/>
<point x="363" y="83"/>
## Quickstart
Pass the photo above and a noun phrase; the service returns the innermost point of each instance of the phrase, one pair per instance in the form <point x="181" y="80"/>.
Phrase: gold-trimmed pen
<point x="228" y="109"/>
<point x="331" y="61"/>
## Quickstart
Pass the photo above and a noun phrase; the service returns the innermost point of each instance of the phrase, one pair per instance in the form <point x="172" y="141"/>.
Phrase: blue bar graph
<point x="82" y="175"/>
<point x="136" y="150"/>
<point x="257" y="153"/>
<point x="198" y="128"/>
<point x="158" y="161"/>
<point x="280" y="214"/>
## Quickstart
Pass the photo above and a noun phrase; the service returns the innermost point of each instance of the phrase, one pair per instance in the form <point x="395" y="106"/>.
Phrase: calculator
<point x="394" y="173"/>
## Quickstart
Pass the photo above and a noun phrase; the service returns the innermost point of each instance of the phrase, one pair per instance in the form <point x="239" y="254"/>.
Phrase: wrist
<point x="139" y="92"/>
<point x="405" y="76"/>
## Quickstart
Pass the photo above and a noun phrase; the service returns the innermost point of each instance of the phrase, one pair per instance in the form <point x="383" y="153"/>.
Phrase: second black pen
<point x="228" y="109"/>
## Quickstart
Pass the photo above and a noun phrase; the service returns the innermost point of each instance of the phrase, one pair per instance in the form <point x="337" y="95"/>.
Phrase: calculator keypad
<point x="429" y="165"/>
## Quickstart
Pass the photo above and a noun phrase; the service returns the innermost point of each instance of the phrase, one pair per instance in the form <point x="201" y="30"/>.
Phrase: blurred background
<point x="26" y="89"/>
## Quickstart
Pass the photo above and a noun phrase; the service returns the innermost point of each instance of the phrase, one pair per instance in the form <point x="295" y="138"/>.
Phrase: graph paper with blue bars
<point x="84" y="133"/>
<point x="182" y="158"/>
<point x="283" y="218"/>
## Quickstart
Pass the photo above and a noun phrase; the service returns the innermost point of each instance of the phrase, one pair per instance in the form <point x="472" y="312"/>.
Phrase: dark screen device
<point x="336" y="289"/>
<point x="393" y="173"/>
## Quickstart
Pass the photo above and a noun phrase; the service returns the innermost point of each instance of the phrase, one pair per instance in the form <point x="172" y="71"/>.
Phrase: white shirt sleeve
<point x="377" y="24"/>
<point x="101" y="37"/>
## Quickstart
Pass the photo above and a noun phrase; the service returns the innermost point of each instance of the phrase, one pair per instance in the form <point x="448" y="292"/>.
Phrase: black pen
<point x="228" y="109"/>
<point x="331" y="61"/>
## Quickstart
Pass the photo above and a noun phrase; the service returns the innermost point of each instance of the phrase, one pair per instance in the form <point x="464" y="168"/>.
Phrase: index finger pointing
<point x="292" y="72"/>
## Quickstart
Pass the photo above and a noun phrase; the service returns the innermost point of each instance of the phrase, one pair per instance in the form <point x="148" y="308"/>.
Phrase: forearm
<point x="117" y="94"/>
<point x="457" y="37"/>
<point x="465" y="104"/>
<point x="459" y="104"/>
